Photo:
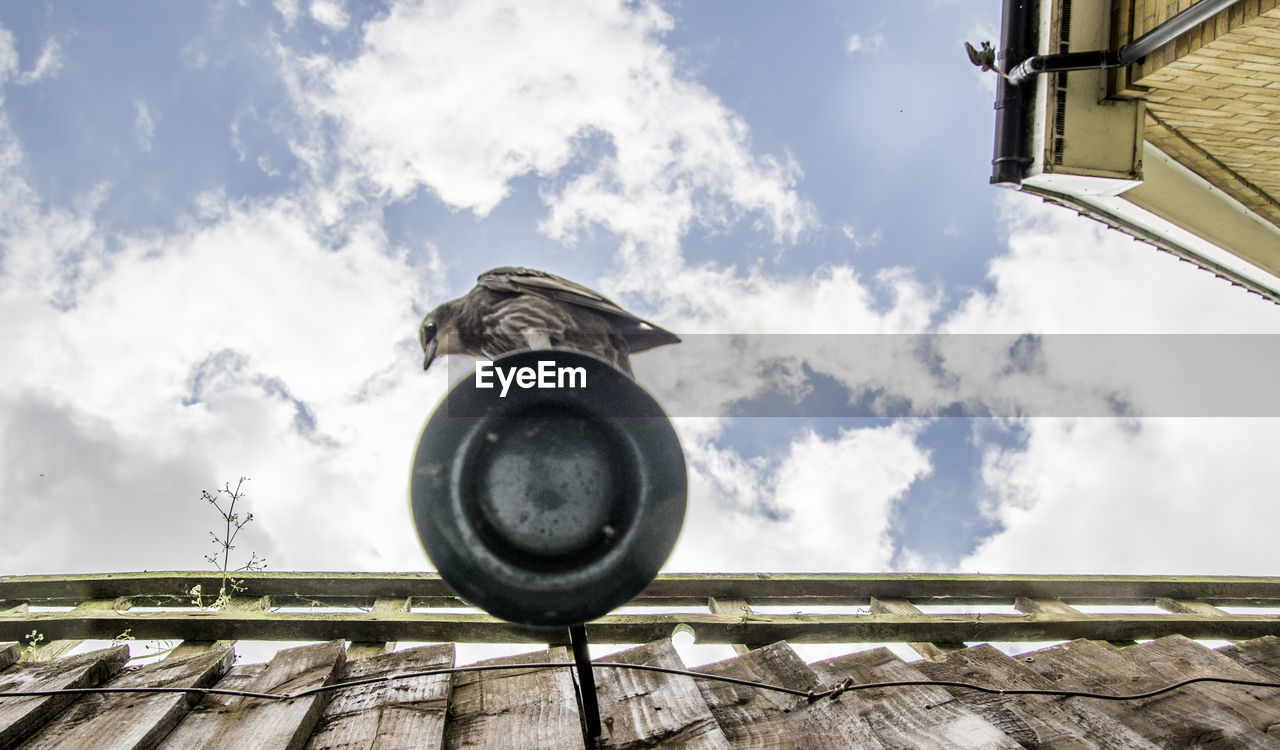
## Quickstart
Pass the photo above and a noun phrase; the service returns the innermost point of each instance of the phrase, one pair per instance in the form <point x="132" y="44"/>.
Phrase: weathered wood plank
<point x="361" y="650"/>
<point x="1035" y="721"/>
<point x="903" y="607"/>
<point x="9" y="653"/>
<point x="733" y="608"/>
<point x="1261" y="655"/>
<point x="1182" y="718"/>
<point x="530" y="709"/>
<point x="1059" y="608"/>
<point x="406" y="713"/>
<point x="649" y="709"/>
<point x="1175" y="658"/>
<point x="1045" y="607"/>
<point x="754" y="718"/>
<point x="187" y="649"/>
<point x="362" y="589"/>
<point x="132" y="721"/>
<point x="916" y="717"/>
<point x="475" y="628"/>
<point x="1184" y="607"/>
<point x="49" y="650"/>
<point x="239" y="677"/>
<point x="20" y="717"/>
<point x="259" y="722"/>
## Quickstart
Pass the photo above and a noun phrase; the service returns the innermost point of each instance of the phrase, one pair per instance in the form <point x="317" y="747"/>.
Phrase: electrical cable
<point x="810" y="696"/>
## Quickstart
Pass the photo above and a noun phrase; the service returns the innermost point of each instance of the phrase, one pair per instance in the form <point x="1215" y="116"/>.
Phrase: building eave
<point x="1213" y="230"/>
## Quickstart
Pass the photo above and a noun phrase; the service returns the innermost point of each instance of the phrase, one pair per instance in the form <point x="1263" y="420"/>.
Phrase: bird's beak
<point x="430" y="354"/>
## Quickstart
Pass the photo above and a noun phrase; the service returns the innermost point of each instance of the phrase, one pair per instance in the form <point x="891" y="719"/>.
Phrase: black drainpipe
<point x="1013" y="98"/>
<point x="1013" y="121"/>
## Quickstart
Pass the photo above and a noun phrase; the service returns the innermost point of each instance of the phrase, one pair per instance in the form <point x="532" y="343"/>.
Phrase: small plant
<point x="233" y="524"/>
<point x="139" y="651"/>
<point x="33" y="640"/>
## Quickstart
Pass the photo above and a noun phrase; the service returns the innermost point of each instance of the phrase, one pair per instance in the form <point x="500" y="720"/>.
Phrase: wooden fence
<point x="365" y="694"/>
<point x="724" y="608"/>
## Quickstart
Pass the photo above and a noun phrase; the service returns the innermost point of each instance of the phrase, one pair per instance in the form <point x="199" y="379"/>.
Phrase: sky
<point x="220" y="224"/>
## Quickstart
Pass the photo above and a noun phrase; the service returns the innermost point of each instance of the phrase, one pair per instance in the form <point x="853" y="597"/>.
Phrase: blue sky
<point x="220" y="224"/>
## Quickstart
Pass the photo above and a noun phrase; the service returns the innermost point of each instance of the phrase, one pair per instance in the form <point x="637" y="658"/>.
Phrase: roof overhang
<point x="1071" y="139"/>
<point x="1181" y="213"/>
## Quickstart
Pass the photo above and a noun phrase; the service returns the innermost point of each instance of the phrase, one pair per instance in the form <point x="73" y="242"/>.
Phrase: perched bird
<point x="519" y="308"/>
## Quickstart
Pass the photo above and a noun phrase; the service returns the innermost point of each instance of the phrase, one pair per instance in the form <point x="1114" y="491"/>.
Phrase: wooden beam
<point x="363" y="650"/>
<point x="187" y="648"/>
<point x="1184" y="607"/>
<point x="902" y="607"/>
<point x="732" y="608"/>
<point x="1045" y="607"/>
<point x="52" y="649"/>
<point x="363" y="589"/>
<point x="1061" y="609"/>
<point x="394" y="626"/>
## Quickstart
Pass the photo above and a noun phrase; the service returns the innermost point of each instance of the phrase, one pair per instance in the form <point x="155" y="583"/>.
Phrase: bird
<point x="984" y="58"/>
<point x="512" y="309"/>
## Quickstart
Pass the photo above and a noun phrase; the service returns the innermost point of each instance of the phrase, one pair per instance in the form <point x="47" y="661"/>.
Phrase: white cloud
<point x="463" y="98"/>
<point x="862" y="240"/>
<point x="247" y="341"/>
<point x="328" y="13"/>
<point x="194" y="55"/>
<point x="1110" y="495"/>
<point x="1155" y="496"/>
<point x="289" y="10"/>
<point x="8" y="55"/>
<point x="47" y="64"/>
<point x="144" y="125"/>
<point x="709" y="372"/>
<point x="1048" y="497"/>
<point x="871" y="43"/>
<point x="826" y="505"/>
<point x="1064" y="274"/>
<point x="50" y="255"/>
<point x="260" y="338"/>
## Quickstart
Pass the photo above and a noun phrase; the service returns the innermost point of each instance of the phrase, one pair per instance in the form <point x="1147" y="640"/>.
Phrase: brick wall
<point x="1213" y="96"/>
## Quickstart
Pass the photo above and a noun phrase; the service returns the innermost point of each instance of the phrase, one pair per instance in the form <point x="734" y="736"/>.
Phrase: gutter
<point x="1011" y="157"/>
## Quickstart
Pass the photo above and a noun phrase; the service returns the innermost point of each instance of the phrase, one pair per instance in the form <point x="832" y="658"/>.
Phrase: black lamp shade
<point x="549" y="506"/>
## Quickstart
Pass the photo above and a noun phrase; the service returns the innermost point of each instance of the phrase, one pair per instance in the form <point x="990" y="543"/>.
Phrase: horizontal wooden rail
<point x="289" y="606"/>
<point x="470" y="628"/>
<point x="426" y="589"/>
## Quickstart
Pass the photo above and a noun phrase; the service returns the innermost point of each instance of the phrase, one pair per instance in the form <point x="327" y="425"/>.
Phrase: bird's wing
<point x="639" y="334"/>
<point x="528" y="281"/>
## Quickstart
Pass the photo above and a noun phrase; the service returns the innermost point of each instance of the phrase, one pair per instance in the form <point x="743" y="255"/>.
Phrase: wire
<point x="810" y="696"/>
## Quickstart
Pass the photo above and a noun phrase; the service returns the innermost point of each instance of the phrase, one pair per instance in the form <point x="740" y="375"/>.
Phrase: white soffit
<point x="1179" y="211"/>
